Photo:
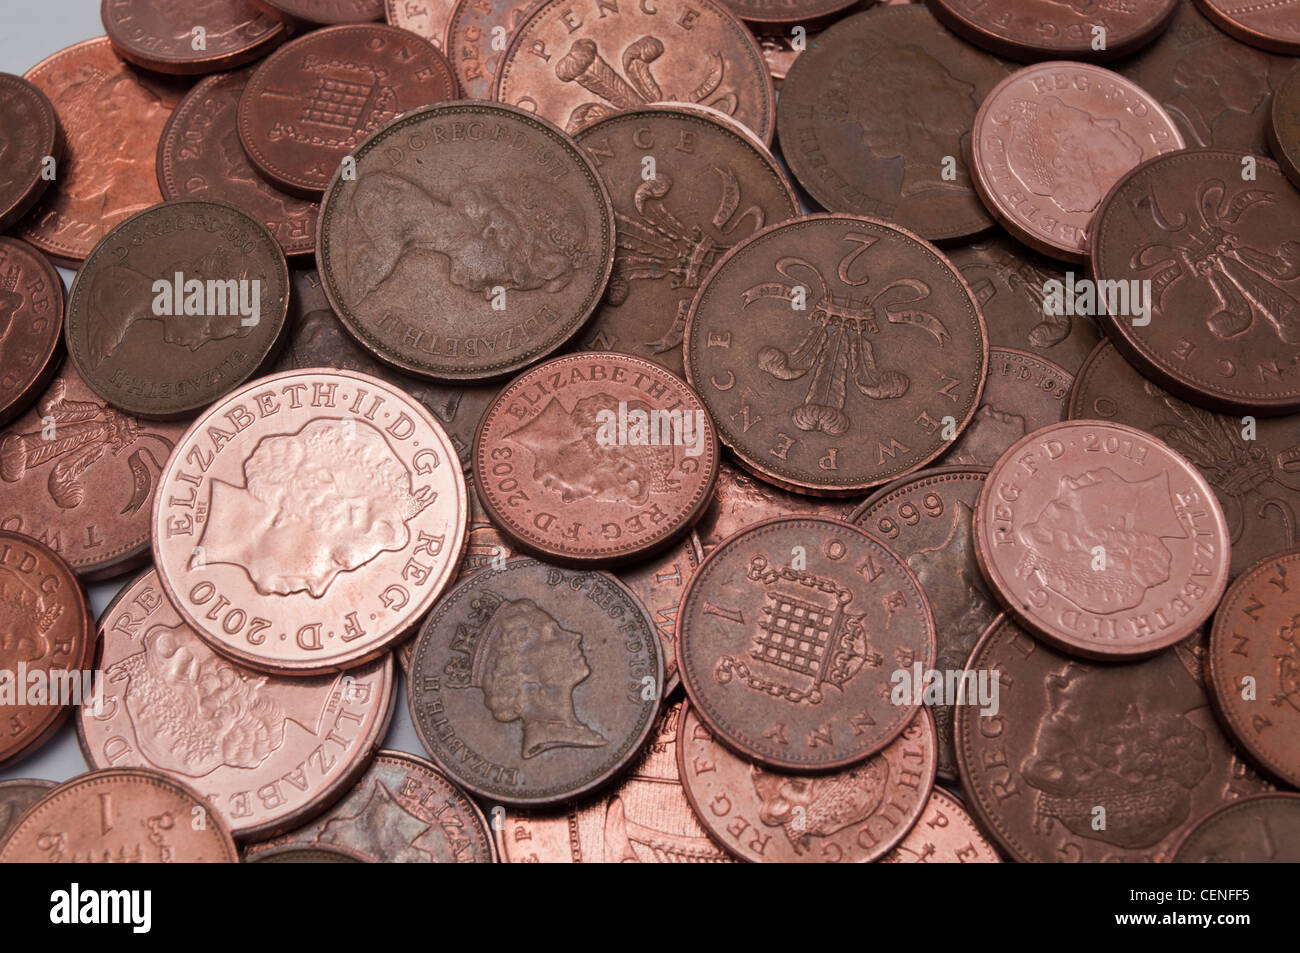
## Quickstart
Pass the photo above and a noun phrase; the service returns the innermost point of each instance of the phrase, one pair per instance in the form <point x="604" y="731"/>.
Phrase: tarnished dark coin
<point x="784" y="344"/>
<point x="1253" y="467"/>
<point x="1023" y="393"/>
<point x="1219" y="254"/>
<point x="17" y="796"/>
<point x="324" y="12"/>
<point x="789" y="636"/>
<point x="1093" y="762"/>
<point x="945" y="834"/>
<point x="165" y="36"/>
<point x="426" y="18"/>
<point x="770" y="14"/>
<point x="478" y="33"/>
<point x="576" y="61"/>
<point x="313" y="854"/>
<point x="531" y="684"/>
<point x="1254" y="669"/>
<point x="29" y="133"/>
<point x="686" y="188"/>
<point x="741" y="500"/>
<point x="475" y="240"/>
<point x="31" y="325"/>
<point x="595" y="458"/>
<point x="316" y="99"/>
<point x="900" y="153"/>
<point x="1284" y="127"/>
<point x="176" y="306"/>
<point x="1101" y="539"/>
<point x="1261" y="829"/>
<point x="927" y="519"/>
<point x="1273" y="26"/>
<point x="200" y="157"/>
<point x="853" y="815"/>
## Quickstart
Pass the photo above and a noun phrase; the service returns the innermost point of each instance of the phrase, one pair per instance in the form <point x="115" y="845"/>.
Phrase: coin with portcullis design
<point x="945" y="834"/>
<point x="164" y="36"/>
<point x="29" y="129"/>
<point x="17" y="796"/>
<point x="1270" y="25"/>
<point x="31" y="325"/>
<point x="1260" y="829"/>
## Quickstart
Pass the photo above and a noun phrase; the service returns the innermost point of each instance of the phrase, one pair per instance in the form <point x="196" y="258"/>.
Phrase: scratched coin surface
<point x="595" y="458"/>
<point x="853" y="815"/>
<point x="1101" y="539"/>
<point x="1050" y="141"/>
<point x="531" y="684"/>
<point x="945" y="834"/>
<point x="1284" y="127"/>
<point x="741" y="499"/>
<point x="426" y="18"/>
<point x="162" y="35"/>
<point x="169" y="353"/>
<point x="314" y="100"/>
<point x="477" y="34"/>
<point x="1261" y="829"/>
<point x="31" y="325"/>
<point x="123" y="816"/>
<point x="783" y="343"/>
<point x="885" y="155"/>
<point x="686" y="188"/>
<point x="575" y="61"/>
<point x="308" y="520"/>
<point x="17" y="796"/>
<point x="324" y="12"/>
<point x="1033" y="30"/>
<point x="1219" y="256"/>
<point x="1270" y="25"/>
<point x="1072" y="739"/>
<point x="29" y="132"/>
<point x="1023" y="393"/>
<point x="475" y="240"/>
<point x="266" y="752"/>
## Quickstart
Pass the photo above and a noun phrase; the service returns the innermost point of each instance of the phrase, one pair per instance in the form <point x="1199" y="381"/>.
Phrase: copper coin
<point x="770" y="14"/>
<point x="308" y="520"/>
<point x="266" y="752"/>
<point x="29" y="133"/>
<point x="18" y="795"/>
<point x="324" y="12"/>
<point x="164" y="36"/>
<point x="645" y="819"/>
<point x="402" y="811"/>
<point x="740" y="500"/>
<point x="478" y="32"/>
<point x="854" y="815"/>
<point x="1023" y="393"/>
<point x="1284" y="129"/>
<point x="1260" y="829"/>
<point x="120" y="815"/>
<point x="1273" y="26"/>
<point x="659" y="584"/>
<point x="169" y="352"/>
<point x="576" y="61"/>
<point x="1050" y="141"/>
<point x="46" y="643"/>
<point x="317" y="98"/>
<point x="926" y="518"/>
<point x="945" y="834"/>
<point x="426" y="18"/>
<point x="318" y="339"/>
<point x="686" y="189"/>
<point x="1218" y="255"/>
<point x="1032" y="30"/>
<point x="1092" y="762"/>
<point x="200" y="157"/>
<point x="1010" y="283"/>
<point x="616" y="467"/>
<point x="80" y="476"/>
<point x="783" y="343"/>
<point x="1101" y="539"/>
<point x="531" y="685"/>
<point x="779" y="54"/>
<point x="112" y="116"/>
<point x="314" y="854"/>
<point x="1255" y="663"/>
<point x="31" y="325"/>
<point x="1256" y="480"/>
<point x="475" y="240"/>
<point x="886" y="154"/>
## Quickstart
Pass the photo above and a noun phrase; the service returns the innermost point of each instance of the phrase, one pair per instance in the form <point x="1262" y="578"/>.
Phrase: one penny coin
<point x="945" y="834"/>
<point x="323" y="12"/>
<point x="18" y="795"/>
<point x="30" y="131"/>
<point x="1269" y="26"/>
<point x="478" y="33"/>
<point x="1284" y="127"/>
<point x="1261" y="829"/>
<point x="1023" y="393"/>
<point x="31" y="325"/>
<point x="165" y="36"/>
<point x="426" y="18"/>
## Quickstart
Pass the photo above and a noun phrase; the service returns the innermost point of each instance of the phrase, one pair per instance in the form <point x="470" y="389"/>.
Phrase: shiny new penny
<point x="314" y="854"/>
<point x="531" y="685"/>
<point x="314" y="100"/>
<point x="945" y="834"/>
<point x="575" y="61"/>
<point x="324" y="12"/>
<point x="833" y="350"/>
<point x="112" y="116"/>
<point x="31" y="325"/>
<point x="1023" y="393"/>
<point x="426" y="18"/>
<point x="788" y="637"/>
<point x="477" y="34"/>
<point x="200" y="157"/>
<point x="161" y="35"/>
<point x="169" y="353"/>
<point x="120" y="815"/>
<point x="17" y="796"/>
<point x="711" y="186"/>
<point x="1218" y="254"/>
<point x="1255" y="663"/>
<point x="1033" y="30"/>
<point x="1273" y="26"/>
<point x="886" y="154"/>
<point x="1138" y="740"/>
<point x="740" y="500"/>
<point x="266" y="752"/>
<point x="46" y="632"/>
<point x="926" y="518"/>
<point x="854" y="815"/>
<point x="308" y="520"/>
<point x="29" y="132"/>
<point x="1051" y="140"/>
<point x="1256" y="480"/>
<point x="475" y="240"/>
<point x="595" y="457"/>
<point x="1261" y="829"/>
<point x="1284" y="129"/>
<point x="1101" y="539"/>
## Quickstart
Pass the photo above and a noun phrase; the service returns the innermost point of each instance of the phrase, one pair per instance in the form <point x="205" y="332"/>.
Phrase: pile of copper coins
<point x="718" y="429"/>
